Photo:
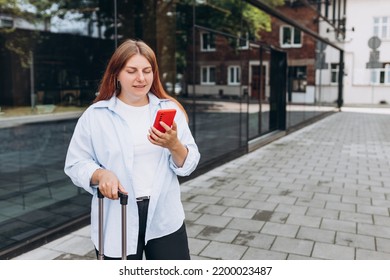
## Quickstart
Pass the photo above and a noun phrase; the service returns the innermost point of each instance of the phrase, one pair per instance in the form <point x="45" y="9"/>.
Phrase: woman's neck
<point x="134" y="101"/>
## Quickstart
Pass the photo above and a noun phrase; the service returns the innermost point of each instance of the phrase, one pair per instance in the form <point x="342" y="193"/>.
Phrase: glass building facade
<point x="241" y="73"/>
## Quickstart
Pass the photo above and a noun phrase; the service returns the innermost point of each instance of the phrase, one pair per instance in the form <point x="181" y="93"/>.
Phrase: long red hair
<point x="122" y="54"/>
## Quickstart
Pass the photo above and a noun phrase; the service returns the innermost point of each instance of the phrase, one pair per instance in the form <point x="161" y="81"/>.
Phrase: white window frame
<point x="377" y="73"/>
<point x="6" y="22"/>
<point x="381" y="27"/>
<point x="234" y="75"/>
<point x="292" y="44"/>
<point x="207" y="80"/>
<point x="334" y="71"/>
<point x="208" y="48"/>
<point x="246" y="40"/>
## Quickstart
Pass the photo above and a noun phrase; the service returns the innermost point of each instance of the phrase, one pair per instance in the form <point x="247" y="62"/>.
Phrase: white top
<point x="146" y="155"/>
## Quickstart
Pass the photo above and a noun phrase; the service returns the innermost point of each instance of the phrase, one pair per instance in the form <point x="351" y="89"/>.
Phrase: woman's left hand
<point x="169" y="140"/>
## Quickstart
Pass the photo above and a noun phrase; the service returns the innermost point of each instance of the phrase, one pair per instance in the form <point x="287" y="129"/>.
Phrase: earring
<point x="118" y="84"/>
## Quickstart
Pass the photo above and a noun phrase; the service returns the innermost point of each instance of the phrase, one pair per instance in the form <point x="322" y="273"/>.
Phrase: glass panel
<point x="297" y="36"/>
<point x="212" y="75"/>
<point x="218" y="119"/>
<point x="286" y="36"/>
<point x="50" y="64"/>
<point x="205" y="41"/>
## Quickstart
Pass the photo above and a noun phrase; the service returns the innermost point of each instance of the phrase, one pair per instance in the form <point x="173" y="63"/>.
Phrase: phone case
<point x="165" y="115"/>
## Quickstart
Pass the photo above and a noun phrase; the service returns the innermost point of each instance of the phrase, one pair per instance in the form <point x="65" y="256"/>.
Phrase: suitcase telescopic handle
<point x="124" y="198"/>
<point x="123" y="201"/>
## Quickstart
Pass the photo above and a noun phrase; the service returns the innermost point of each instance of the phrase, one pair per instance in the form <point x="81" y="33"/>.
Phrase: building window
<point x="243" y="42"/>
<point x="290" y="37"/>
<point x="298" y="79"/>
<point x="382" y="75"/>
<point x="207" y="42"/>
<point x="6" y="22"/>
<point x="382" y="27"/>
<point x="387" y="74"/>
<point x="334" y="73"/>
<point x="234" y="74"/>
<point x="208" y="75"/>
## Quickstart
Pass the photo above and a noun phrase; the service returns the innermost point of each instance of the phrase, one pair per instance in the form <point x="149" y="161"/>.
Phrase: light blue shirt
<point x="102" y="139"/>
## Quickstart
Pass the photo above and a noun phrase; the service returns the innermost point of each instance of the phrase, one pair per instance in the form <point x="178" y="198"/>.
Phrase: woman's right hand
<point x="108" y="183"/>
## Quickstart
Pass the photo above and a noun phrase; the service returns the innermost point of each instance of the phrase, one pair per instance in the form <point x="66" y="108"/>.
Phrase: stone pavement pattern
<point x="322" y="192"/>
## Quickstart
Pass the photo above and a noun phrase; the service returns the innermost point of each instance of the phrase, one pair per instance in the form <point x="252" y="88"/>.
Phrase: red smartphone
<point x="166" y="116"/>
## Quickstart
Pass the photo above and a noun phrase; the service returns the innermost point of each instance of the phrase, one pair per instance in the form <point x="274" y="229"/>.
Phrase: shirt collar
<point x="112" y="102"/>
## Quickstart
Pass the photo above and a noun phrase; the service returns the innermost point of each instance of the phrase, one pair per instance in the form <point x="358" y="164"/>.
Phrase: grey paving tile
<point x="239" y="212"/>
<point x="315" y="234"/>
<point x="261" y="205"/>
<point x="188" y="206"/>
<point x="362" y="254"/>
<point x="235" y="202"/>
<point x="343" y="226"/>
<point x="39" y="254"/>
<point x="279" y="217"/>
<point x="260" y="254"/>
<point x="191" y="216"/>
<point x="377" y="210"/>
<point x="327" y="197"/>
<point x="310" y="203"/>
<point x="356" y="217"/>
<point x="333" y="252"/>
<point x="301" y="258"/>
<point x="341" y="206"/>
<point x="74" y="245"/>
<point x="206" y="199"/>
<point x="282" y="199"/>
<point x="218" y="234"/>
<point x="210" y="209"/>
<point x="255" y="240"/>
<point x="355" y="240"/>
<point x="213" y="220"/>
<point x="287" y="208"/>
<point x="228" y="193"/>
<point x="374" y="230"/>
<point x="280" y="229"/>
<point x="193" y="229"/>
<point x="301" y="220"/>
<point x="294" y="246"/>
<point x="383" y="244"/>
<point x="381" y="220"/>
<point x="245" y="224"/>
<point x="356" y="199"/>
<point x="224" y="251"/>
<point x="322" y="213"/>
<point x="197" y="245"/>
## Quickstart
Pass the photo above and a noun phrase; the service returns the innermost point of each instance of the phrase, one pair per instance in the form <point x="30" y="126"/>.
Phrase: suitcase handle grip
<point x="122" y="196"/>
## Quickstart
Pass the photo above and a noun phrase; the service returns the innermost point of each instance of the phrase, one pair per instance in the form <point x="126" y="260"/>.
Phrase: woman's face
<point x="136" y="79"/>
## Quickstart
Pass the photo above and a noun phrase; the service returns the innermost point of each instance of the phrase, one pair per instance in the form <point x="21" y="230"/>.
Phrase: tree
<point x="36" y="14"/>
<point x="235" y="17"/>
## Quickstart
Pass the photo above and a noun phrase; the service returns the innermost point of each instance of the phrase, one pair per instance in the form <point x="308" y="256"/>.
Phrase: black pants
<point x="170" y="247"/>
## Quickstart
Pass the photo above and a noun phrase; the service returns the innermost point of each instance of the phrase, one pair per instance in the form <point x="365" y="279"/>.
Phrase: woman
<point x="114" y="148"/>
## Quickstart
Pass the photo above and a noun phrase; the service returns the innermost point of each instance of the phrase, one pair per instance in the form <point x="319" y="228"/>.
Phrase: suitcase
<point x="123" y="201"/>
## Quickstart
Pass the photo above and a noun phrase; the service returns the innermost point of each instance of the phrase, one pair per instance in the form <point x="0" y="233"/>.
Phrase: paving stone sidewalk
<point x="322" y="192"/>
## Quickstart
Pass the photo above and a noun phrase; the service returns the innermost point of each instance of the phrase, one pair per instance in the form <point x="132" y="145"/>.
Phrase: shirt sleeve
<point x="80" y="162"/>
<point x="186" y="138"/>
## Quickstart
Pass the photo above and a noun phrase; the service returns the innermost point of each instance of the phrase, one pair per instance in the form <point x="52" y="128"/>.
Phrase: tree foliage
<point x="235" y="17"/>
